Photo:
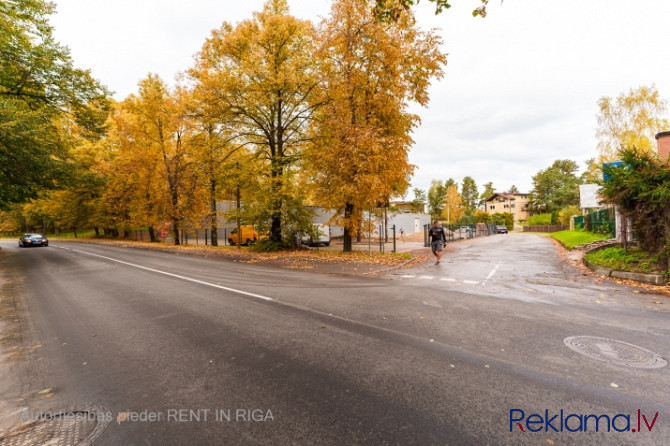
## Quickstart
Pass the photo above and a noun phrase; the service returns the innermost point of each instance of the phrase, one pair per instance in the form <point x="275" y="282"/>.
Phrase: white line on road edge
<point x="471" y="282"/>
<point x="426" y="277"/>
<point x="189" y="279"/>
<point x="448" y="279"/>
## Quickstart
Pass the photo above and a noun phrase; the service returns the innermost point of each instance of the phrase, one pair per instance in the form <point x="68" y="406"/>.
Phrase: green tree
<point x="488" y="191"/>
<point x="41" y="95"/>
<point x="513" y="189"/>
<point x="555" y="187"/>
<point x="469" y="195"/>
<point x="436" y="194"/>
<point x="504" y="219"/>
<point x="419" y="201"/>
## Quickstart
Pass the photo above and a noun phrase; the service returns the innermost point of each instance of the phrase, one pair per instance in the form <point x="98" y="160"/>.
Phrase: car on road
<point x="249" y="236"/>
<point x="500" y="229"/>
<point x="321" y="236"/>
<point x="33" y="239"/>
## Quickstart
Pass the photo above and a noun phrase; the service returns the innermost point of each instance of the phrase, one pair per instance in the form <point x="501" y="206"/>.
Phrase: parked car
<point x="501" y="229"/>
<point x="322" y="237"/>
<point x="30" y="239"/>
<point x="249" y="235"/>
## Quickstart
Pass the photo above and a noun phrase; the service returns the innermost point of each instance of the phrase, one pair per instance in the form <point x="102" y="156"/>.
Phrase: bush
<point x="565" y="214"/>
<point x="639" y="186"/>
<point x="267" y="245"/>
<point x="482" y="217"/>
<point x="505" y="218"/>
<point x="617" y="258"/>
<point x="539" y="220"/>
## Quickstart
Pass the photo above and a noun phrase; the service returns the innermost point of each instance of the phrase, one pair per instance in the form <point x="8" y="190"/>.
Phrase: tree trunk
<point x="97" y="231"/>
<point x="212" y="214"/>
<point x="152" y="234"/>
<point x="75" y="232"/>
<point x="275" y="225"/>
<point x="175" y="232"/>
<point x="348" y="212"/>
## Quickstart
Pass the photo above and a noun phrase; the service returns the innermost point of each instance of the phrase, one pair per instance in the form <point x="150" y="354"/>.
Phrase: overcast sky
<point x="520" y="88"/>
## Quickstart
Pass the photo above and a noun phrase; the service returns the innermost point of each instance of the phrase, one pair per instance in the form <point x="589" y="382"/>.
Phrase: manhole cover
<point x="615" y="352"/>
<point x="64" y="428"/>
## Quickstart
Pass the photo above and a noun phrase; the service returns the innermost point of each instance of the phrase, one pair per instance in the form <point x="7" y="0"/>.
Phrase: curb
<point x="231" y="258"/>
<point x="405" y="263"/>
<point x="649" y="279"/>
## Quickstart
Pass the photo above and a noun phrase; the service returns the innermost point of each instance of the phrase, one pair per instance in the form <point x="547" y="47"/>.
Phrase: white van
<point x="323" y="238"/>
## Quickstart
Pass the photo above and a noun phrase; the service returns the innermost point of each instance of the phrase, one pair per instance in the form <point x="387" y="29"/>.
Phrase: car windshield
<point x="35" y="236"/>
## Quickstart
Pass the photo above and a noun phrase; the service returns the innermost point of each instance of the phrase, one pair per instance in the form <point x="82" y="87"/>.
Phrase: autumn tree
<point x="453" y="205"/>
<point x="135" y="191"/>
<point x="262" y="79"/>
<point x="513" y="189"/>
<point x="359" y="157"/>
<point x="631" y="119"/>
<point x="162" y="133"/>
<point x="217" y="156"/>
<point x="469" y="195"/>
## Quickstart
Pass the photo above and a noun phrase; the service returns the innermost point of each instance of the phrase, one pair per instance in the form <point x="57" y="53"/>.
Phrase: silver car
<point x="32" y="239"/>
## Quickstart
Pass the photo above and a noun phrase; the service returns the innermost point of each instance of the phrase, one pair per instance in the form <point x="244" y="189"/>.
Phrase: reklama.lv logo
<point x="573" y="422"/>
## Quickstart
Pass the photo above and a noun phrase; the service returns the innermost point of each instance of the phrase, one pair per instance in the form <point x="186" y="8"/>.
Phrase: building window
<point x="513" y="205"/>
<point x="506" y="206"/>
<point x="492" y="207"/>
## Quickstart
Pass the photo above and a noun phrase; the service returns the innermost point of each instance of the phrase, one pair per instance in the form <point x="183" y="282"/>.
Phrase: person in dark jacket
<point x="437" y="240"/>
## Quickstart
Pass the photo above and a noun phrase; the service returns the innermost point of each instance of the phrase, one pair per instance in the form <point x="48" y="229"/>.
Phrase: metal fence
<point x="455" y="232"/>
<point x="603" y="222"/>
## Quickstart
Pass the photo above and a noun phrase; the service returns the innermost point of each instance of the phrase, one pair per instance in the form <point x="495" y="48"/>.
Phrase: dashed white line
<point x="408" y="276"/>
<point x="426" y="277"/>
<point x="471" y="282"/>
<point x="493" y="271"/>
<point x="177" y="276"/>
<point x="448" y="279"/>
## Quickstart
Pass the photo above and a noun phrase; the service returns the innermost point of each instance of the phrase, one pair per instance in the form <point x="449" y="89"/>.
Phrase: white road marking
<point x="426" y="277"/>
<point x="408" y="276"/>
<point x="177" y="276"/>
<point x="448" y="279"/>
<point x="471" y="282"/>
<point x="493" y="271"/>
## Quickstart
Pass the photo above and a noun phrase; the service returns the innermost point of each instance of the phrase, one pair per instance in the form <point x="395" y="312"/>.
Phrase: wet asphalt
<point x="231" y="353"/>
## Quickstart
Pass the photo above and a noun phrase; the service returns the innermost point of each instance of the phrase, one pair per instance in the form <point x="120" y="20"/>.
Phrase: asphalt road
<point x="407" y="359"/>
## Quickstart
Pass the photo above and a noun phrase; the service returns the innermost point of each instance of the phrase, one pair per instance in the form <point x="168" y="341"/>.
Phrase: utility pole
<point x="239" y="226"/>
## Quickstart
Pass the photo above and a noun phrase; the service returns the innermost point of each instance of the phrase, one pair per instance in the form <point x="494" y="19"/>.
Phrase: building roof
<point x="505" y="195"/>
